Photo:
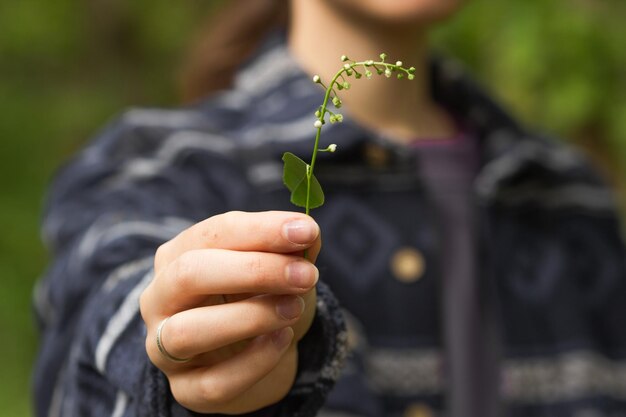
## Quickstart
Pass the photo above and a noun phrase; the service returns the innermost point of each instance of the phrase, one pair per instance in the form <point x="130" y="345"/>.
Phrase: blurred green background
<point x="66" y="67"/>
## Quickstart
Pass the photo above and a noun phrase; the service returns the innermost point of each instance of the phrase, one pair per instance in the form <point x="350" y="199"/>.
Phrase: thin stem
<point x="323" y="110"/>
<point x="309" y="174"/>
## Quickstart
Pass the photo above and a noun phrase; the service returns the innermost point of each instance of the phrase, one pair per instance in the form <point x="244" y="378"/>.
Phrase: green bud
<point x="332" y="118"/>
<point x="318" y="114"/>
<point x="339" y="117"/>
<point x="411" y="76"/>
<point x="412" y="70"/>
<point x="383" y="56"/>
<point x="344" y="58"/>
<point x="357" y="75"/>
<point x="368" y="74"/>
<point x="387" y="73"/>
<point x="379" y="71"/>
<point x="337" y="102"/>
<point x="400" y="75"/>
<point x="346" y="85"/>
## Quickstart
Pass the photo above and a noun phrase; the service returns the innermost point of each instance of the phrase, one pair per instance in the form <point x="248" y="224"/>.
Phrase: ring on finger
<point x="162" y="350"/>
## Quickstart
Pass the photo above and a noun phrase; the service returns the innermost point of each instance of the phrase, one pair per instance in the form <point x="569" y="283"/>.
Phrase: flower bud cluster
<point x="336" y="118"/>
<point x="351" y="68"/>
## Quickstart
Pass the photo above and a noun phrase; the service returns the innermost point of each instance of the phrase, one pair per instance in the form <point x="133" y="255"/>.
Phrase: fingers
<point x="205" y="281"/>
<point x="193" y="332"/>
<point x="213" y="389"/>
<point x="271" y="231"/>
<point x="198" y="273"/>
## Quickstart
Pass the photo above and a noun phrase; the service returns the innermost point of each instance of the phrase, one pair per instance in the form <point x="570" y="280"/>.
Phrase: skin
<point x="362" y="30"/>
<point x="234" y="311"/>
<point x="224" y="281"/>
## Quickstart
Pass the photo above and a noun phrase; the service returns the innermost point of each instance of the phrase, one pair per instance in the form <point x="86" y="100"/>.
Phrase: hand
<point x="239" y="295"/>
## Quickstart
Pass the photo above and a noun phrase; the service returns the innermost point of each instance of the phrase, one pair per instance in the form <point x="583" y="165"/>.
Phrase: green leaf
<point x="294" y="177"/>
<point x="294" y="170"/>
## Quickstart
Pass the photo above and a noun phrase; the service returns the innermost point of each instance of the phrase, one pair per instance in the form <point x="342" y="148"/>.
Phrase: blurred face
<point x="422" y="12"/>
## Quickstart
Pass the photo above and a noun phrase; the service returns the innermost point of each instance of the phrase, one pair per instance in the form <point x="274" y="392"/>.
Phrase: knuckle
<point x="214" y="392"/>
<point x="151" y="350"/>
<point x="183" y="271"/>
<point x="258" y="318"/>
<point x="212" y="227"/>
<point x="180" y="392"/>
<point x="143" y="303"/>
<point x="176" y="337"/>
<point x="264" y="269"/>
<point x="164" y="250"/>
<point x="254" y="266"/>
<point x="162" y="255"/>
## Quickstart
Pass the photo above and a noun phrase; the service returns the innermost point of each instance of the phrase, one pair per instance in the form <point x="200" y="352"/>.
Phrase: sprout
<point x="316" y="79"/>
<point x="317" y="124"/>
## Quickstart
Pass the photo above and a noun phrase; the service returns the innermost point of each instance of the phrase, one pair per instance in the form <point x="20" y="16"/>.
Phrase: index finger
<point x="268" y="231"/>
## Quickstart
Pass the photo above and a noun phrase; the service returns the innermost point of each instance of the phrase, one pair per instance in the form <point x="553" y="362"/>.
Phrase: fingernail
<point x="282" y="338"/>
<point x="290" y="307"/>
<point x="301" y="274"/>
<point x="300" y="231"/>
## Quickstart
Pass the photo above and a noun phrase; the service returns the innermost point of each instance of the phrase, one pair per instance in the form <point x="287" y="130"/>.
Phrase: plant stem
<point x="323" y="111"/>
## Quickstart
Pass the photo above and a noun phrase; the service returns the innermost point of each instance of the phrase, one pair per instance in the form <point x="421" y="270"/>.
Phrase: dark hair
<point x="229" y="37"/>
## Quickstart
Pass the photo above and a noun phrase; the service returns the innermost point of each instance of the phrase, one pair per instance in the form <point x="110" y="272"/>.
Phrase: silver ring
<point x="159" y="343"/>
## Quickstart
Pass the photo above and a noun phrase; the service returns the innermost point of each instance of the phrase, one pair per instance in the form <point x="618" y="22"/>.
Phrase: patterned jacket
<point x="552" y="269"/>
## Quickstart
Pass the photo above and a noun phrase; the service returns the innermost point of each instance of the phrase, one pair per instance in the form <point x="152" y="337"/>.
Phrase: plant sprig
<point x="298" y="176"/>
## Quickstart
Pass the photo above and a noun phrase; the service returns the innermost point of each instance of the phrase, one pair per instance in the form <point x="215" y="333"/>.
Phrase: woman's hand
<point x="239" y="295"/>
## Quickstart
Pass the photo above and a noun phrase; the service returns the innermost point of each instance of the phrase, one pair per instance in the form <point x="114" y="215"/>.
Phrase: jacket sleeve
<point x="134" y="187"/>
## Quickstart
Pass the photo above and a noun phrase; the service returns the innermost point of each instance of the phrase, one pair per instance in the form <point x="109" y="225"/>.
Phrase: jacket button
<point x="407" y="265"/>
<point x="418" y="410"/>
